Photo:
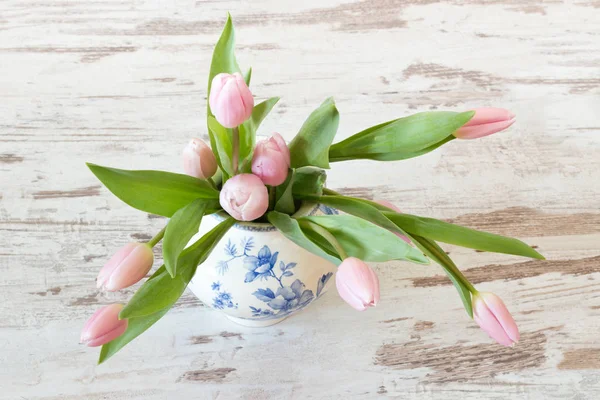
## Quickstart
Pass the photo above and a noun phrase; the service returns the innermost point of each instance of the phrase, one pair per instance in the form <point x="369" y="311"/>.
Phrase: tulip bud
<point x="485" y="122"/>
<point x="230" y="99"/>
<point x="493" y="317"/>
<point x="271" y="160"/>
<point x="103" y="326"/>
<point x="244" y="197"/>
<point x="387" y="204"/>
<point x="130" y="264"/>
<point x="357" y="284"/>
<point x="199" y="160"/>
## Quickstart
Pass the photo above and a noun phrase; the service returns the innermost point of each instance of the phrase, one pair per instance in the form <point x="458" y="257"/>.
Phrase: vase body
<point x="256" y="276"/>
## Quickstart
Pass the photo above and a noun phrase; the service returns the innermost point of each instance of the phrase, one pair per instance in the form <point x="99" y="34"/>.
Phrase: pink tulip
<point x="130" y="264"/>
<point x="245" y="197"/>
<point x="103" y="326"/>
<point x="271" y="160"/>
<point x="230" y="99"/>
<point x="357" y="284"/>
<point x="485" y="122"/>
<point x="199" y="160"/>
<point x="387" y="204"/>
<point x="493" y="317"/>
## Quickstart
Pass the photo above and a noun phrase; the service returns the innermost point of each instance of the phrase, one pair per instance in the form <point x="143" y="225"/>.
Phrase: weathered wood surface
<point x="123" y="83"/>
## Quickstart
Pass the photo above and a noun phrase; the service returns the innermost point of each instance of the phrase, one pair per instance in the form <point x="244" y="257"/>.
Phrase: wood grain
<point x="123" y="83"/>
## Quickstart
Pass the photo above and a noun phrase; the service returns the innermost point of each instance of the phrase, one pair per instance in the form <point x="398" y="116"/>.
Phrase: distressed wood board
<point x="123" y="83"/>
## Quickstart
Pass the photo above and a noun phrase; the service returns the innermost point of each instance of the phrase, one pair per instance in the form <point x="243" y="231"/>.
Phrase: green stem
<point x="213" y="184"/>
<point x="442" y="258"/>
<point x="329" y="237"/>
<point x="152" y="242"/>
<point x="236" y="150"/>
<point x="272" y="197"/>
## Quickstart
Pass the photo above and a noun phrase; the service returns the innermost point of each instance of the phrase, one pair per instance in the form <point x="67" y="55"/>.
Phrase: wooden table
<point x="123" y="83"/>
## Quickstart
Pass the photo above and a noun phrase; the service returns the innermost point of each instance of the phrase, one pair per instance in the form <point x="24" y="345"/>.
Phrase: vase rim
<point x="307" y="208"/>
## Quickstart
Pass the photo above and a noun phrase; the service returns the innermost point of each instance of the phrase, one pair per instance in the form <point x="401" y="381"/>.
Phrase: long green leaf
<point x="290" y="228"/>
<point x="162" y="291"/>
<point x="156" y="294"/>
<point x="223" y="59"/>
<point x="135" y="327"/>
<point x="222" y="147"/>
<point x="437" y="254"/>
<point x="365" y="240"/>
<point x="309" y="181"/>
<point x="284" y="199"/>
<point x="461" y="236"/>
<point x="359" y="209"/>
<point x="311" y="145"/>
<point x="248" y="76"/>
<point x="195" y="255"/>
<point x="401" y="138"/>
<point x="156" y="192"/>
<point x="183" y="225"/>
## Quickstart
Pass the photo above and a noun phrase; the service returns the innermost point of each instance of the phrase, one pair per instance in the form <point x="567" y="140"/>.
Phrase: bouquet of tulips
<point x="267" y="182"/>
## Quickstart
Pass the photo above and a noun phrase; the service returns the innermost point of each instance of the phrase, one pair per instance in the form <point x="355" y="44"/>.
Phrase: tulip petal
<point x="479" y="131"/>
<point x="103" y="326"/>
<point x="489" y="323"/>
<point x="113" y="264"/>
<point x="349" y="297"/>
<point x="357" y="284"/>
<point x="486" y="115"/>
<point x="498" y="308"/>
<point x="132" y="269"/>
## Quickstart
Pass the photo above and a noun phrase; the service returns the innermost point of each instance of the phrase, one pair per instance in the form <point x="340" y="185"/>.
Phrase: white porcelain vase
<point x="256" y="276"/>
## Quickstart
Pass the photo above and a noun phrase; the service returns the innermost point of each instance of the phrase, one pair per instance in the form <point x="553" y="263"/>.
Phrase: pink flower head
<point x="357" y="284"/>
<point x="387" y="204"/>
<point x="103" y="326"/>
<point x="244" y="197"/>
<point x="230" y="99"/>
<point x="129" y="265"/>
<point x="485" y="122"/>
<point x="493" y="317"/>
<point x="271" y="160"/>
<point x="199" y="160"/>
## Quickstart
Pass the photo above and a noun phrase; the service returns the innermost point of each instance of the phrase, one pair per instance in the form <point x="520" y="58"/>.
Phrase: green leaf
<point x="320" y="241"/>
<point x="157" y="293"/>
<point x="195" y="255"/>
<point x="221" y="145"/>
<point x="311" y="145"/>
<point x="162" y="291"/>
<point x="359" y="209"/>
<point x="248" y="130"/>
<point x="309" y="181"/>
<point x="135" y="327"/>
<point x="183" y="225"/>
<point x="156" y="192"/>
<point x="248" y="76"/>
<point x="284" y="198"/>
<point x="363" y="239"/>
<point x="461" y="236"/>
<point x="401" y="138"/>
<point x="290" y="228"/>
<point x="437" y="254"/>
<point x="223" y="59"/>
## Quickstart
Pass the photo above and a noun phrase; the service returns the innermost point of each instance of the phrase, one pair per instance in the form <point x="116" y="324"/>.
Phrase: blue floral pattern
<point x="222" y="299"/>
<point x="288" y="296"/>
<point x="261" y="266"/>
<point x="246" y="244"/>
<point x="328" y="210"/>
<point x="265" y="265"/>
